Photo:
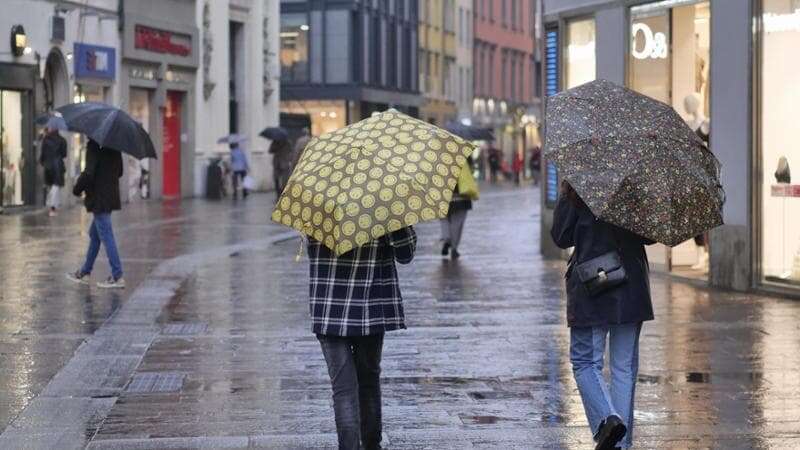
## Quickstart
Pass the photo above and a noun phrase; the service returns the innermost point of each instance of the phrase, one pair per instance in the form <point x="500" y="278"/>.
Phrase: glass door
<point x="12" y="160"/>
<point x="669" y="60"/>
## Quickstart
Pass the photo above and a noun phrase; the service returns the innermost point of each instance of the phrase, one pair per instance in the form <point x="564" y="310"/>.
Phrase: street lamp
<point x="19" y="41"/>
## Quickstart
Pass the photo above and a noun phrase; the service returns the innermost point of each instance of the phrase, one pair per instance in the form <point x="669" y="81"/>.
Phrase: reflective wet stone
<point x="484" y="363"/>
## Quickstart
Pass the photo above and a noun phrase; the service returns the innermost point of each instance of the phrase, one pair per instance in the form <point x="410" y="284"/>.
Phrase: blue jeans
<point x="601" y="399"/>
<point x="100" y="231"/>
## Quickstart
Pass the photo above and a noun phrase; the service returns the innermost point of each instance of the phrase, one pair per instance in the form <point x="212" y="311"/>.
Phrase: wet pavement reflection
<point x="484" y="363"/>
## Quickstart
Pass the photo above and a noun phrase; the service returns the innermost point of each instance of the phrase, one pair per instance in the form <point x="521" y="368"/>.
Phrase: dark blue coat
<point x="628" y="303"/>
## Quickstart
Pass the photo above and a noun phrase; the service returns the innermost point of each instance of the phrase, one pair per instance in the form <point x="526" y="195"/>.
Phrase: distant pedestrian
<point x="239" y="169"/>
<point x="99" y="181"/>
<point x="300" y="145"/>
<point x="535" y="164"/>
<point x="608" y="297"/>
<point x="281" y="151"/>
<point x="518" y="166"/>
<point x="453" y="224"/>
<point x="354" y="299"/>
<point x="495" y="163"/>
<point x="54" y="151"/>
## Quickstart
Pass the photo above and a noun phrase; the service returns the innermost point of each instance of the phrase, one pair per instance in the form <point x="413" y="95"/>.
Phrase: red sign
<point x="161" y="41"/>
<point x="785" y="190"/>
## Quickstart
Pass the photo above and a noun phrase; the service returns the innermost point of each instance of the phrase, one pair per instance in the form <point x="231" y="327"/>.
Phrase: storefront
<point x="724" y="66"/>
<point x="777" y="147"/>
<point x="18" y="165"/>
<point x="159" y="64"/>
<point x="669" y="60"/>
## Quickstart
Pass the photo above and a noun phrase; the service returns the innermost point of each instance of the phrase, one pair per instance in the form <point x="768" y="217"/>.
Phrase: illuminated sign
<point x="95" y="61"/>
<point x="655" y="44"/>
<point x="161" y="41"/>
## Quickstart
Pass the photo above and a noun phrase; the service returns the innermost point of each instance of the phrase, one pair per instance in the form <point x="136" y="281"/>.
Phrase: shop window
<point x="579" y="58"/>
<point x="669" y="60"/>
<point x="294" y="48"/>
<point x="779" y="151"/>
<point x="12" y="158"/>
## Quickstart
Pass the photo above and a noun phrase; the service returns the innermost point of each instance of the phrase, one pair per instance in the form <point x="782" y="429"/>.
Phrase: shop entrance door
<point x="14" y="167"/>
<point x="171" y="156"/>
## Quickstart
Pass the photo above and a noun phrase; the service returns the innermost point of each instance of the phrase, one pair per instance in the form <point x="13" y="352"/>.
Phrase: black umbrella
<point x="110" y="127"/>
<point x="470" y="132"/>
<point x="274" y="133"/>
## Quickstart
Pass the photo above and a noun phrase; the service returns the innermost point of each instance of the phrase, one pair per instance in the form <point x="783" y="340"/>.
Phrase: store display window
<point x="580" y="59"/>
<point x="669" y="60"/>
<point x="12" y="160"/>
<point x="779" y="145"/>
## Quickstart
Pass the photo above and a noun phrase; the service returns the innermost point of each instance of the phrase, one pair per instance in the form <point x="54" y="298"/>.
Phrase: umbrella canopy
<point x="110" y="127"/>
<point x="53" y="121"/>
<point x="470" y="132"/>
<point x="274" y="133"/>
<point x="634" y="161"/>
<point x="232" y="139"/>
<point x="371" y="178"/>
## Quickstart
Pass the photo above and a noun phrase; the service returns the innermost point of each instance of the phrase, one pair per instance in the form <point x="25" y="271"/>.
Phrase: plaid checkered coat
<point x="357" y="294"/>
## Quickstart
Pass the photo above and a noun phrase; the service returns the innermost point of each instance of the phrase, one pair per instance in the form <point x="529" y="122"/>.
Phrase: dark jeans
<point x="354" y="365"/>
<point x="100" y="231"/>
<point x="238" y="178"/>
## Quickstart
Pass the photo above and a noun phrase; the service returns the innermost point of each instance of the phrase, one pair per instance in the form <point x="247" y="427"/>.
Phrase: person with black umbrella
<point x="110" y="131"/>
<point x="54" y="150"/>
<point x="99" y="181"/>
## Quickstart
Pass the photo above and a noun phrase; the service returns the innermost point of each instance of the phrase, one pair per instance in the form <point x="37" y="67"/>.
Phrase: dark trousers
<point x="238" y="178"/>
<point x="354" y="365"/>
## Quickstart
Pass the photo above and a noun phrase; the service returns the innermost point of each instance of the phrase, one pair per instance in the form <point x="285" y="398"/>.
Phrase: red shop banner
<point x="161" y="41"/>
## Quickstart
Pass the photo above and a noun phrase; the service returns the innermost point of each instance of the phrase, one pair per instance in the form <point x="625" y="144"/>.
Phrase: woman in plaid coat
<point x="354" y="299"/>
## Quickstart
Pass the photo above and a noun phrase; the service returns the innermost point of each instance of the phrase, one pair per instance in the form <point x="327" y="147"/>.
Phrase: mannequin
<point x="701" y="125"/>
<point x="697" y="121"/>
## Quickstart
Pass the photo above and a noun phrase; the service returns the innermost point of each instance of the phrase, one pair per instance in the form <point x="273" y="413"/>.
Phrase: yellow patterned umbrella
<point x="371" y="178"/>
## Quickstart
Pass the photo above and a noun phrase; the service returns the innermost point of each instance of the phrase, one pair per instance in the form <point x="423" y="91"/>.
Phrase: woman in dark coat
<point x="615" y="314"/>
<point x="54" y="150"/>
<point x="99" y="182"/>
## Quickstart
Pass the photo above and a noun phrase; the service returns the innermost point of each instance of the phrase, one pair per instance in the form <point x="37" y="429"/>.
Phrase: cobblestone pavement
<point x="210" y="347"/>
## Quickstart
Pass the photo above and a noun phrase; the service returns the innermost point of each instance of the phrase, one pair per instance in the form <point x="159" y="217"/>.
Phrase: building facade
<point x="177" y="66"/>
<point x="64" y="54"/>
<point x="341" y="61"/>
<point x="463" y="75"/>
<point x="437" y="60"/>
<point x="238" y="81"/>
<point x="505" y="68"/>
<point x="722" y="65"/>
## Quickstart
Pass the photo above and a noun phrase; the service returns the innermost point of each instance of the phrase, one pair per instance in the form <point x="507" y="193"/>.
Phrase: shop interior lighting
<point x="304" y="27"/>
<point x="775" y="23"/>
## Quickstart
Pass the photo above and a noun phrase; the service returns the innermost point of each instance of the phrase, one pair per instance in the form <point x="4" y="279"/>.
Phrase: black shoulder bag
<point x="603" y="272"/>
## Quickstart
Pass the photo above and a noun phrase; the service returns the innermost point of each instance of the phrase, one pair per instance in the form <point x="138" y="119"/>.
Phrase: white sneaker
<point x="111" y="283"/>
<point x="78" y="277"/>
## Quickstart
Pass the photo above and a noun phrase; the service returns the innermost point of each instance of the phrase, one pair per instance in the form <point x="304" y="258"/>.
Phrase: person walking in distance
<point x="354" y="299"/>
<point x="535" y="163"/>
<point x="494" y="163"/>
<point x="300" y="145"/>
<point x="54" y="151"/>
<point x="239" y="169"/>
<point x="608" y="298"/>
<point x="99" y="182"/>
<point x="281" y="151"/>
<point x="453" y="224"/>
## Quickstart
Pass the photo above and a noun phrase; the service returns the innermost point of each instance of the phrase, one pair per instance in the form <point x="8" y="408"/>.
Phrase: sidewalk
<point x="210" y="346"/>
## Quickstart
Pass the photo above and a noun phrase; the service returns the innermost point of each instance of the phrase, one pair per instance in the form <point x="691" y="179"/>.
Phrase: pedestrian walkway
<point x="210" y="347"/>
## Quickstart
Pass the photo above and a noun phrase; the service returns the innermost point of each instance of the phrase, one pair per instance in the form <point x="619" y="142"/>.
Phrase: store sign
<point x="95" y="61"/>
<point x="161" y="41"/>
<point x="551" y="88"/>
<point x="655" y="44"/>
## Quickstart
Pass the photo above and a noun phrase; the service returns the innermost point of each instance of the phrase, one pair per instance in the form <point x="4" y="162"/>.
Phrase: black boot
<point x="446" y="248"/>
<point x="611" y="431"/>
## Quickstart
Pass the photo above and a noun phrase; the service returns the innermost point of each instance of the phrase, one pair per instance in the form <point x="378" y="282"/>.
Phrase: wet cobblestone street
<point x="210" y="345"/>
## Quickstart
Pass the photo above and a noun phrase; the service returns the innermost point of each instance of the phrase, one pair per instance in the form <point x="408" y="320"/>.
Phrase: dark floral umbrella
<point x="634" y="161"/>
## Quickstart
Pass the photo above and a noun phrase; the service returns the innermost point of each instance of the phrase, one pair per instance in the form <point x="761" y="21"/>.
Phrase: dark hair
<point x="569" y="192"/>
